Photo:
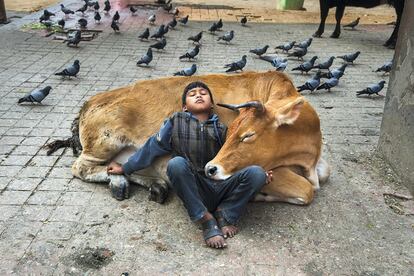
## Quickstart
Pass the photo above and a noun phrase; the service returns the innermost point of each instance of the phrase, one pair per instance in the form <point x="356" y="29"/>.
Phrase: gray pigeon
<point x="259" y="51"/>
<point x="325" y="65"/>
<point x="372" y="89"/>
<point x="107" y="7"/>
<point x="213" y="28"/>
<point x="144" y="35"/>
<point x="46" y="16"/>
<point x="187" y="71"/>
<point x="299" y="53"/>
<point x="330" y="83"/>
<point x="219" y="24"/>
<point x="115" y="26"/>
<point x="66" y="11"/>
<point x="172" y="23"/>
<point x="70" y="71"/>
<point x="36" y="95"/>
<point x="191" y="54"/>
<point x="311" y="84"/>
<point x="306" y="66"/>
<point x="351" y="57"/>
<point x="227" y="37"/>
<point x="75" y="39"/>
<point x="160" y="32"/>
<point x="238" y="65"/>
<point x="386" y="68"/>
<point x="286" y="47"/>
<point x="336" y="73"/>
<point x="277" y="62"/>
<point x="353" y="24"/>
<point x="196" y="38"/>
<point x="184" y="20"/>
<point x="304" y="44"/>
<point x="147" y="58"/>
<point x="160" y="45"/>
<point x="83" y="23"/>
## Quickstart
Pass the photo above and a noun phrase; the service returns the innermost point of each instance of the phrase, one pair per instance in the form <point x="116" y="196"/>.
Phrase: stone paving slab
<point x="48" y="219"/>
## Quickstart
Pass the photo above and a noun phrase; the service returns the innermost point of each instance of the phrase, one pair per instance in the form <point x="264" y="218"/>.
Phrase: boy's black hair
<point x="193" y="85"/>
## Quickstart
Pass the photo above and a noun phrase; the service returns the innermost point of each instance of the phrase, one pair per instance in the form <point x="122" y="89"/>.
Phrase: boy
<point x="194" y="137"/>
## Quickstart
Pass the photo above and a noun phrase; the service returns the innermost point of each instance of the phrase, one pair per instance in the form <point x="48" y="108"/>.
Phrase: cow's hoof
<point x="158" y="192"/>
<point x="119" y="186"/>
<point x="334" y="35"/>
<point x="317" y="34"/>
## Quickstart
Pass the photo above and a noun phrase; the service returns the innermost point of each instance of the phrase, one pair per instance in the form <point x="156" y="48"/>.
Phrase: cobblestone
<point x="47" y="216"/>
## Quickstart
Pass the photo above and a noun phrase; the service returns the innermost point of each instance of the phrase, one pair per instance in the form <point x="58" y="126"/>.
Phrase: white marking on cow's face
<point x="218" y="172"/>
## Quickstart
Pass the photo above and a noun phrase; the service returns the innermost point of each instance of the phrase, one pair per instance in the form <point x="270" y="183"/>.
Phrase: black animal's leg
<point x="324" y="10"/>
<point x="338" y="16"/>
<point x="399" y="6"/>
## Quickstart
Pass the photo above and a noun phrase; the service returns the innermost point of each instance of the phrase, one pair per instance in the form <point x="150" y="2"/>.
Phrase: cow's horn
<point x="235" y="107"/>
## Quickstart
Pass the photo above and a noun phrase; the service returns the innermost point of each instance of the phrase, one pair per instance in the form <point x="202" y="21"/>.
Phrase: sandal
<point x="210" y="229"/>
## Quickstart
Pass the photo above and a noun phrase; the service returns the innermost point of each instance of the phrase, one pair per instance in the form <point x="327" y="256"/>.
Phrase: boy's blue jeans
<point x="200" y="193"/>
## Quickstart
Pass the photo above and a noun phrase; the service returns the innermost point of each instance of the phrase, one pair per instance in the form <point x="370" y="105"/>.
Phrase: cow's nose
<point x="211" y="170"/>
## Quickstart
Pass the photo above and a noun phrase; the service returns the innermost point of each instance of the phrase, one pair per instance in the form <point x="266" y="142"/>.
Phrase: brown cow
<point x="284" y="133"/>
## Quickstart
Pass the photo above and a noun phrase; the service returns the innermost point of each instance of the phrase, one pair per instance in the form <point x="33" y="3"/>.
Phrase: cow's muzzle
<point x="215" y="172"/>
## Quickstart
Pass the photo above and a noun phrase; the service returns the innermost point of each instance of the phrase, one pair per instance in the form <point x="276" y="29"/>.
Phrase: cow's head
<point x="251" y="136"/>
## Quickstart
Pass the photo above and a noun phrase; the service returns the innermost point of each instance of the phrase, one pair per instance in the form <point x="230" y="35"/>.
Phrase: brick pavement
<point x="48" y="219"/>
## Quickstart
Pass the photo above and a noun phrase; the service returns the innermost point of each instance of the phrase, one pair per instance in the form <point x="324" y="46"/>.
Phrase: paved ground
<point x="53" y="224"/>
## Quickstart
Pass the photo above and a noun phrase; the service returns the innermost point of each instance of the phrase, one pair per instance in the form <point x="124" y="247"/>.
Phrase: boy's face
<point x="198" y="101"/>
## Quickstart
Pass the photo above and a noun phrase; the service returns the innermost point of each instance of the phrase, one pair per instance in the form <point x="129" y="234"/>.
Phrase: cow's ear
<point x="289" y="112"/>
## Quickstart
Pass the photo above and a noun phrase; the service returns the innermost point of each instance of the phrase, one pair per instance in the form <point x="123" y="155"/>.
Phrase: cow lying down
<point x="283" y="129"/>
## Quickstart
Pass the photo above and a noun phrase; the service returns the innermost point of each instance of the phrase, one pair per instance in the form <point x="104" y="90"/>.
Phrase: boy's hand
<point x="114" y="168"/>
<point x="269" y="176"/>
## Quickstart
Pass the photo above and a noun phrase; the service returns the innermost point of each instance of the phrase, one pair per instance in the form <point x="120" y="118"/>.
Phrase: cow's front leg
<point x="119" y="186"/>
<point x="392" y="41"/>
<point x="338" y="16"/>
<point x="324" y="10"/>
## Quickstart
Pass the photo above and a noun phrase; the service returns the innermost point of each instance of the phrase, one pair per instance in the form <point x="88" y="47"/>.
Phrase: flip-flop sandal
<point x="210" y="229"/>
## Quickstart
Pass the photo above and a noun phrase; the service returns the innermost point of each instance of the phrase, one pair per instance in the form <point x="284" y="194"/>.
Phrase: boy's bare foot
<point x="211" y="232"/>
<point x="229" y="230"/>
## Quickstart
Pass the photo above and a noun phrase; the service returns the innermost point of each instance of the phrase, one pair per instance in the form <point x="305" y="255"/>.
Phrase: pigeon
<point x="213" y="28"/>
<point x="286" y="47"/>
<point x="167" y="7"/>
<point x="175" y="12"/>
<point x="107" y="7"/>
<point x="37" y="95"/>
<point x="96" y="6"/>
<point x="306" y="66"/>
<point x="196" y="38"/>
<point x="227" y="36"/>
<point x="336" y="73"/>
<point x="66" y="11"/>
<point x="160" y="44"/>
<point x="304" y="44"/>
<point x="159" y="33"/>
<point x="75" y="39"/>
<point x="116" y="17"/>
<point x="372" y="89"/>
<point x="299" y="53"/>
<point x="152" y="19"/>
<point x="46" y="15"/>
<point x="238" y="65"/>
<point x="386" y="68"/>
<point x="351" y="57"/>
<point x="147" y="58"/>
<point x="83" y="23"/>
<point x="70" y="71"/>
<point x="243" y="21"/>
<point x="166" y="30"/>
<point x="311" y="84"/>
<point x="82" y="9"/>
<point x="219" y="24"/>
<point x="353" y="24"/>
<point x="330" y="83"/>
<point x="61" y="23"/>
<point x="144" y="35"/>
<point x="191" y="54"/>
<point x="172" y="23"/>
<point x="325" y="65"/>
<point x="259" y="51"/>
<point x="133" y="10"/>
<point x="184" y="20"/>
<point x="114" y="26"/>
<point x="187" y="71"/>
<point x="277" y="62"/>
<point x="97" y="17"/>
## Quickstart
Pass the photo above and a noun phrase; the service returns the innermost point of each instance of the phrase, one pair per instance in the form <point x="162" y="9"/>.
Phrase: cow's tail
<point x="73" y="142"/>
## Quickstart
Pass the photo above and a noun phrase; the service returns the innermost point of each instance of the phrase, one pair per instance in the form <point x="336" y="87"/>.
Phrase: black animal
<point x="116" y="17"/>
<point x="61" y="23"/>
<point x="184" y="20"/>
<point x="243" y="21"/>
<point x="97" y="17"/>
<point x="114" y="26"/>
<point x="144" y="35"/>
<point x="325" y="5"/>
<point x="46" y="15"/>
<point x="75" y="39"/>
<point x="196" y="38"/>
<point x="160" y="45"/>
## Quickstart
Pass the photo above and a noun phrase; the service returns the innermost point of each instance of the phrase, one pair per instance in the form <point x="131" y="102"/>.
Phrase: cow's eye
<point x="246" y="136"/>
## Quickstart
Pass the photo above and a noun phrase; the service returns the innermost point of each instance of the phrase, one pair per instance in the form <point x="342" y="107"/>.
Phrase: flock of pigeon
<point x="291" y="49"/>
